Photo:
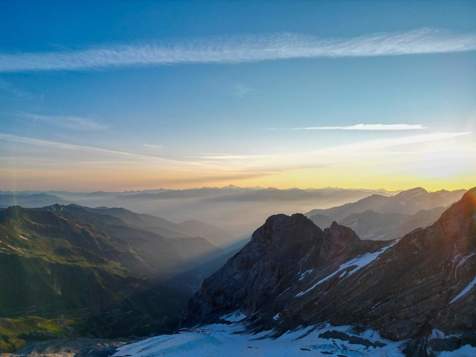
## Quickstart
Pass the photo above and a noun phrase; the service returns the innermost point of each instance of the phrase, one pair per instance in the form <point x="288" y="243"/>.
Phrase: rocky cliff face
<point x="282" y="252"/>
<point x="293" y="273"/>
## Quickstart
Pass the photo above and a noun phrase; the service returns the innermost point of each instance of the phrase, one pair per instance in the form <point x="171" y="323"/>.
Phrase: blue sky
<point x="178" y="94"/>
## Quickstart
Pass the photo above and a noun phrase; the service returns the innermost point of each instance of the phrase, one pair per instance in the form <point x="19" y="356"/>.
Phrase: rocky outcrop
<point x="285" y="250"/>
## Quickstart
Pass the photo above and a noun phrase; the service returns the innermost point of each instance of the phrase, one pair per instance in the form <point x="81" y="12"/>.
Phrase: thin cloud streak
<point x="91" y="149"/>
<point x="226" y="177"/>
<point x="333" y="154"/>
<point x="154" y="146"/>
<point x="219" y="157"/>
<point x="223" y="167"/>
<point x="346" y="150"/>
<point x="9" y="88"/>
<point x="368" y="127"/>
<point x="395" y="142"/>
<point x="242" y="49"/>
<point x="383" y="153"/>
<point x="67" y="121"/>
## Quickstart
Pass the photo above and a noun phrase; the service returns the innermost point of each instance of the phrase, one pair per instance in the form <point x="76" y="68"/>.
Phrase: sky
<point x="128" y="95"/>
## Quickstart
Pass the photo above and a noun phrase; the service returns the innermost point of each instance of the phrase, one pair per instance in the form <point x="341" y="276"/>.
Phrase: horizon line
<point x="241" y="187"/>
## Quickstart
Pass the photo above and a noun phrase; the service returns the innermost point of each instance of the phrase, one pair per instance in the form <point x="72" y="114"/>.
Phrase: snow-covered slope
<point x="233" y="340"/>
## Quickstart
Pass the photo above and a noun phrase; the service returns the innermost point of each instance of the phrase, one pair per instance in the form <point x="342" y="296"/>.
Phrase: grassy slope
<point x="66" y="261"/>
<point x="16" y="332"/>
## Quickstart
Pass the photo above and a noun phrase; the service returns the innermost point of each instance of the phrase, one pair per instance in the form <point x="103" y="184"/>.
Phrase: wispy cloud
<point x="8" y="87"/>
<point x="368" y="127"/>
<point x="241" y="90"/>
<point x="60" y="145"/>
<point x="93" y="150"/>
<point x="242" y="49"/>
<point x="372" y="145"/>
<point x="66" y="121"/>
<point x="43" y="162"/>
<point x="225" y="157"/>
<point x="214" y="179"/>
<point x="334" y="154"/>
<point x="154" y="146"/>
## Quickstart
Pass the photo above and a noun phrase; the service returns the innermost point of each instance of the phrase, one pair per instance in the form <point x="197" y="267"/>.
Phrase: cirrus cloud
<point x="368" y="127"/>
<point x="66" y="121"/>
<point x="241" y="49"/>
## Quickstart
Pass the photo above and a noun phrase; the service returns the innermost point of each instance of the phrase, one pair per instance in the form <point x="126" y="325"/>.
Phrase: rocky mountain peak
<point x="412" y="193"/>
<point x="340" y="233"/>
<point x="461" y="215"/>
<point x="459" y="221"/>
<point x="283" y="251"/>
<point x="284" y="230"/>
<point x="469" y="198"/>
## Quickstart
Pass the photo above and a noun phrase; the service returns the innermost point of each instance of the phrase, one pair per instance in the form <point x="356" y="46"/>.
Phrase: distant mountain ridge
<point x="216" y="206"/>
<point x="29" y="199"/>
<point x="293" y="274"/>
<point x="381" y="217"/>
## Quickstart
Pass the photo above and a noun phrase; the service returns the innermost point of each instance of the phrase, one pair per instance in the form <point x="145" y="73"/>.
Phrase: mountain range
<point x="381" y="217"/>
<point x="213" y="212"/>
<point x="213" y="206"/>
<point x="110" y="272"/>
<point x="418" y="288"/>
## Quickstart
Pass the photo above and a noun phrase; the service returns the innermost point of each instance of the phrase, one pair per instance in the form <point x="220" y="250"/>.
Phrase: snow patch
<point x="304" y="274"/>
<point x="466" y="290"/>
<point x="464" y="351"/>
<point x="350" y="267"/>
<point x="438" y="334"/>
<point x="235" y="316"/>
<point x="276" y="317"/>
<point x="435" y="333"/>
<point x="232" y="340"/>
<point x="463" y="260"/>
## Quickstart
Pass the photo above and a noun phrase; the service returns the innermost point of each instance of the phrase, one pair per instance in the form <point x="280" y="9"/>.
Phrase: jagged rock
<point x="282" y="251"/>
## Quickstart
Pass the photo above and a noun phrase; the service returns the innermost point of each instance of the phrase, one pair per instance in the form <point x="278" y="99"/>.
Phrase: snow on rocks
<point x="304" y="274"/>
<point x="235" y="316"/>
<point x="464" y="351"/>
<point x="466" y="290"/>
<point x="461" y="260"/>
<point x="350" y="267"/>
<point x="232" y="340"/>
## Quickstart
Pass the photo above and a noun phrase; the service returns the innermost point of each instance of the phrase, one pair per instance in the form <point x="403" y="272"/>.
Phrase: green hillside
<point x="80" y="264"/>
